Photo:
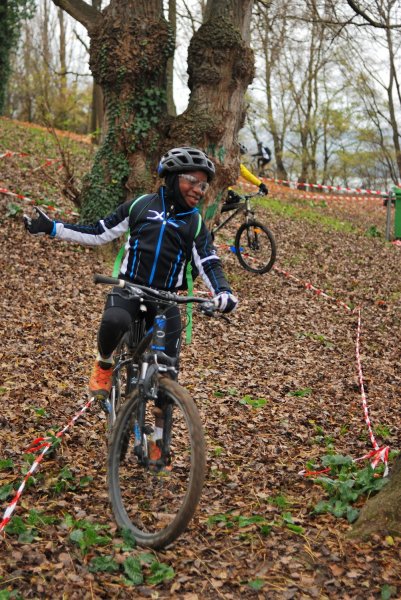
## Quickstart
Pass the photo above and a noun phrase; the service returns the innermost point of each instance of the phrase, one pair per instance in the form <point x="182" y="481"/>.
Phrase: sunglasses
<point x="202" y="185"/>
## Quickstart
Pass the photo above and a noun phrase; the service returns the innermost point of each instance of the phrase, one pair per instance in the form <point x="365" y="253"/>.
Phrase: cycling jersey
<point x="162" y="239"/>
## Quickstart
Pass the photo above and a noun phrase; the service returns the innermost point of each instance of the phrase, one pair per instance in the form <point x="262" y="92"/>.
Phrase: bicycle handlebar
<point x="139" y="290"/>
<point x="258" y="193"/>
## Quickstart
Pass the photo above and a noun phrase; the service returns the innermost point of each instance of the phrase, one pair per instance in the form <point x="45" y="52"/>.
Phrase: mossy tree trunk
<point x="220" y="68"/>
<point x="130" y="46"/>
<point x="131" y="43"/>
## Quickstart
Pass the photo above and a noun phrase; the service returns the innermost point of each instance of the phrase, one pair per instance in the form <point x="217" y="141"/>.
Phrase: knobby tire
<point x="158" y="520"/>
<point x="256" y="252"/>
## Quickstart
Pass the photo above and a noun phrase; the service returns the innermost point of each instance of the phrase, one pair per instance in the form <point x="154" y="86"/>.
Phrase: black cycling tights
<point x="118" y="313"/>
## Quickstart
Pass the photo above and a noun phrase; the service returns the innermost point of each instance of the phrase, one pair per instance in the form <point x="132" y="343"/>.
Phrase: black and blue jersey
<point x="162" y="239"/>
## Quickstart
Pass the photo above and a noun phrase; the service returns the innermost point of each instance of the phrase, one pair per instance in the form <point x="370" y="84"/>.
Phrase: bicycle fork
<point x="148" y="388"/>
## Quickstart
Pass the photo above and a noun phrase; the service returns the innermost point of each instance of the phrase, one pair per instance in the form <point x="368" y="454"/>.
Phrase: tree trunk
<point x="63" y="114"/>
<point x="46" y="58"/>
<point x="97" y="114"/>
<point x="382" y="513"/>
<point x="11" y="15"/>
<point x="129" y="49"/>
<point x="97" y="111"/>
<point x="172" y="19"/>
<point x="393" y="118"/>
<point x="272" y="38"/>
<point x="220" y="68"/>
<point x="131" y="43"/>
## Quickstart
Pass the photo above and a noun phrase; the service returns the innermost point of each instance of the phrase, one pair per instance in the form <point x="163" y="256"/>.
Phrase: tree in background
<point x="270" y="37"/>
<point x="12" y="12"/>
<point x="324" y="99"/>
<point x="380" y="88"/>
<point x="131" y="43"/>
<point x="46" y="86"/>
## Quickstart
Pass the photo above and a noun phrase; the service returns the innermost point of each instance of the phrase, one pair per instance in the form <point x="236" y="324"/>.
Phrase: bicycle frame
<point x="244" y="207"/>
<point x="146" y="360"/>
<point x="140" y="360"/>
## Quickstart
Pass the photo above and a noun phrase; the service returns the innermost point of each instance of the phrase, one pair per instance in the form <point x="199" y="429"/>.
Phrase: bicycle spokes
<point x="255" y="247"/>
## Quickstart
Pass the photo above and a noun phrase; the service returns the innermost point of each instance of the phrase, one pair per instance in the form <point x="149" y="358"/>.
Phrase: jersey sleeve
<point x="102" y="232"/>
<point x="246" y="174"/>
<point x="207" y="262"/>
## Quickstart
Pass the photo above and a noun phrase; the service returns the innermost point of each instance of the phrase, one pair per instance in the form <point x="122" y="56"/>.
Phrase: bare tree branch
<point x="369" y="19"/>
<point x="79" y="38"/>
<point x="80" y="10"/>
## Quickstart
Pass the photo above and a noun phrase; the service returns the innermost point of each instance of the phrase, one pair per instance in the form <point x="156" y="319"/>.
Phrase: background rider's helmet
<point x="182" y="160"/>
<point x="242" y="149"/>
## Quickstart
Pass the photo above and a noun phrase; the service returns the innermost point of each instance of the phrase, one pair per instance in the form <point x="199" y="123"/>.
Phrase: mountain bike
<point x="254" y="245"/>
<point x="154" y="499"/>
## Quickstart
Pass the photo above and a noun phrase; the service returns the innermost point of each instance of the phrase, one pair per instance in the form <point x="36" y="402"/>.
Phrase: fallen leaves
<point x="276" y="388"/>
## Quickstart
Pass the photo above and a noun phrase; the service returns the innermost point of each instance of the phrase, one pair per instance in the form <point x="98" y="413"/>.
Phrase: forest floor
<point x="277" y="389"/>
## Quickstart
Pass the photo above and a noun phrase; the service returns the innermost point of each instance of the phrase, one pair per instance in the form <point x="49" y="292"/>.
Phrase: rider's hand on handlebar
<point x="39" y="226"/>
<point x="225" y="302"/>
<point x="263" y="189"/>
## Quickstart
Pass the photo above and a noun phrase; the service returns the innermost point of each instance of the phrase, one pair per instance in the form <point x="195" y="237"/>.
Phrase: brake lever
<point x="208" y="309"/>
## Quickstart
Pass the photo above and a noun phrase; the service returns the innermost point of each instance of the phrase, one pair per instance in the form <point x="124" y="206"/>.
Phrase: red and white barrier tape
<point x="377" y="454"/>
<point x="334" y="188"/>
<point x="9" y="153"/>
<point x="309" y="286"/>
<point x="295" y="193"/>
<point x="48" y="162"/>
<point x="7" y="192"/>
<point x="43" y="444"/>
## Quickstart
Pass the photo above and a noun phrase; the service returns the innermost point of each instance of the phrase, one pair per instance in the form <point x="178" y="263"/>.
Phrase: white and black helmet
<point x="181" y="160"/>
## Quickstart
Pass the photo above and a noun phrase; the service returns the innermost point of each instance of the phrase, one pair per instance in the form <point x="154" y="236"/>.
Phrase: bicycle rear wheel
<point x="157" y="506"/>
<point x="255" y="247"/>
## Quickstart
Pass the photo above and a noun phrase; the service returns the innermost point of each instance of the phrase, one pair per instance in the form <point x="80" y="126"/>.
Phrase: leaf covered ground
<point x="277" y="389"/>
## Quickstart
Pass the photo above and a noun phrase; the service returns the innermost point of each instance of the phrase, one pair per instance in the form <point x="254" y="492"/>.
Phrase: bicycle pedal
<point x="159" y="466"/>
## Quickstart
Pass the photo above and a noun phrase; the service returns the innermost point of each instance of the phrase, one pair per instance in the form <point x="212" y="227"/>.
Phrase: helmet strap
<point x="173" y="194"/>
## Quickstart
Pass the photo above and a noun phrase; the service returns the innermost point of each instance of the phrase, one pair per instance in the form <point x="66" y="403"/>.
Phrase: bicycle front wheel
<point x="255" y="247"/>
<point x="157" y="505"/>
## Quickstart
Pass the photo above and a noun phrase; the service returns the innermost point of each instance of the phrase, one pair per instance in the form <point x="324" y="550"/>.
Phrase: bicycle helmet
<point x="242" y="149"/>
<point x="181" y="160"/>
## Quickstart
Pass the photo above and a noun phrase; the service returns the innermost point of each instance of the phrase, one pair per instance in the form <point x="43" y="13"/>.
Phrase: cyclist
<point x="264" y="156"/>
<point x="166" y="232"/>
<point x="233" y="197"/>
